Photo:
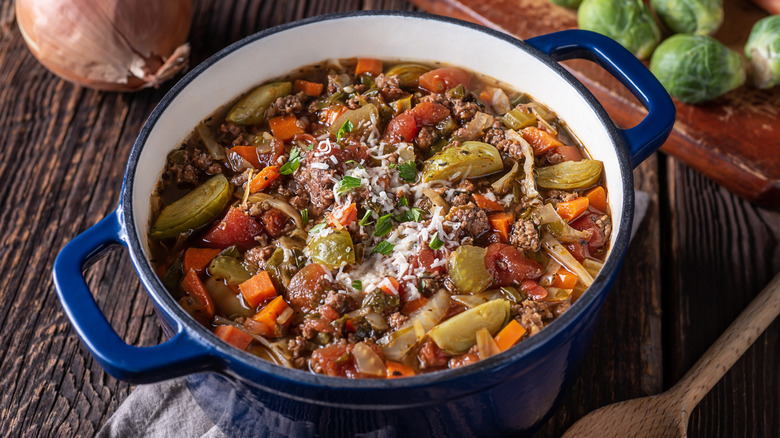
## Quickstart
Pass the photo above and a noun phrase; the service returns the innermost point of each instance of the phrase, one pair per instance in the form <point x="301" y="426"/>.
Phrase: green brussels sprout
<point x="193" y="210"/>
<point x="698" y="17"/>
<point x="763" y="52"/>
<point x="697" y="68"/>
<point x="333" y="249"/>
<point x="628" y="22"/>
<point x="571" y="4"/>
<point x="472" y="159"/>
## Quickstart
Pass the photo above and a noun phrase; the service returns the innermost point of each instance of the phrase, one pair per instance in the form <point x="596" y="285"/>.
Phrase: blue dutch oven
<point x="246" y="396"/>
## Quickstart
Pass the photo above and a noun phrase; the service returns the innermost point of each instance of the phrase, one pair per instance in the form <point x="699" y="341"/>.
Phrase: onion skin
<point x="112" y="45"/>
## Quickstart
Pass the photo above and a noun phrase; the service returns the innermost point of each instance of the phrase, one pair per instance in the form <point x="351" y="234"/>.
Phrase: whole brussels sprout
<point x="763" y="52"/>
<point x="697" y="68"/>
<point x="698" y="17"/>
<point x="628" y="22"/>
<point x="571" y="4"/>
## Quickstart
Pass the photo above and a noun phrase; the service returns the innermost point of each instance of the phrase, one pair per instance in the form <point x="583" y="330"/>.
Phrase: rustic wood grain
<point x="699" y="258"/>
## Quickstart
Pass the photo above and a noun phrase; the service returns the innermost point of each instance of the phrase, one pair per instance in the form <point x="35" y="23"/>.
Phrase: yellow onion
<point x="117" y="45"/>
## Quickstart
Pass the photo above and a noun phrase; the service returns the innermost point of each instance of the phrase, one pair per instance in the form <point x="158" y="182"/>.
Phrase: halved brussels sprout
<point x="457" y="334"/>
<point x="333" y="249"/>
<point x="569" y="175"/>
<point x="467" y="269"/>
<point x="698" y="17"/>
<point x="471" y="159"/>
<point x="361" y="119"/>
<point x="763" y="51"/>
<point x="408" y="74"/>
<point x="250" y="110"/>
<point x="697" y="68"/>
<point x="628" y="22"/>
<point x="193" y="210"/>
<point x="229" y="269"/>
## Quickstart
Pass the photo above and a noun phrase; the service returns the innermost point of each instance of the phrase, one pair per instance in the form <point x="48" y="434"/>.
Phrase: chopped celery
<point x="516" y="119"/>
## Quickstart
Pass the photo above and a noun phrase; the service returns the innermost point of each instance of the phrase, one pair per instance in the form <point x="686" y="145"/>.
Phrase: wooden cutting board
<point x="735" y="139"/>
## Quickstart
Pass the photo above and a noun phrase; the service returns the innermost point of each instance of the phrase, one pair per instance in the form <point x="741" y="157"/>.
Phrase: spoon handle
<point x="729" y="347"/>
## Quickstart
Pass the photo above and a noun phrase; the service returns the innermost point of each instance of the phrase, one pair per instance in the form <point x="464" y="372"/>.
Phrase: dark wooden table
<point x="700" y="256"/>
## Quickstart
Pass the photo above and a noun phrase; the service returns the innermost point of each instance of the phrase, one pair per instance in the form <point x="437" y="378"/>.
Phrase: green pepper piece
<point x="280" y="270"/>
<point x="333" y="249"/>
<point x="250" y="110"/>
<point x="516" y="119"/>
<point x="193" y="210"/>
<point x="471" y="159"/>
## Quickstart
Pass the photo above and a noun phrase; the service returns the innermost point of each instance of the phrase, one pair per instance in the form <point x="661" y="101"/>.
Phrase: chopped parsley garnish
<point x="408" y="171"/>
<point x="317" y="228"/>
<point x="403" y="202"/>
<point x="393" y="165"/>
<point x="347" y="184"/>
<point x="357" y="284"/>
<point x="345" y="129"/>
<point x="436" y="243"/>
<point x="366" y="219"/>
<point x="305" y="216"/>
<point x="383" y="225"/>
<point x="292" y="163"/>
<point x="413" y="214"/>
<point x="383" y="248"/>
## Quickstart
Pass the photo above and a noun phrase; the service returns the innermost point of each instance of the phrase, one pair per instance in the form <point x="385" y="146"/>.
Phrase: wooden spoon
<point x="666" y="414"/>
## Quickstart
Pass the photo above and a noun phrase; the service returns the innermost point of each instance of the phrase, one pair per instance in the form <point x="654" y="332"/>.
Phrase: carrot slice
<point x="332" y="113"/>
<point x="343" y="216"/>
<point x="390" y="286"/>
<point x="268" y="315"/>
<point x="500" y="223"/>
<point x="233" y="336"/>
<point x="564" y="279"/>
<point x="198" y="258"/>
<point x="396" y="370"/>
<point x="263" y="179"/>
<point x="509" y="335"/>
<point x="540" y="140"/>
<point x="571" y="209"/>
<point x="258" y="289"/>
<point x="194" y="287"/>
<point x="248" y="153"/>
<point x="368" y="65"/>
<point x="414" y="305"/>
<point x="285" y="127"/>
<point x="598" y="198"/>
<point x="486" y="203"/>
<point x="313" y="89"/>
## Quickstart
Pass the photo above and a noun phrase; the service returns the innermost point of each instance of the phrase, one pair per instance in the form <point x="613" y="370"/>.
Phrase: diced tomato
<point x="236" y="228"/>
<point x="402" y="127"/>
<point x="425" y="259"/>
<point x="588" y="222"/>
<point x="306" y="286"/>
<point x="569" y="153"/>
<point x="577" y="250"/>
<point x="429" y="113"/>
<point x="335" y="360"/>
<point x="508" y="266"/>
<point x="533" y="290"/>
<point x="274" y="221"/>
<point x="442" y="79"/>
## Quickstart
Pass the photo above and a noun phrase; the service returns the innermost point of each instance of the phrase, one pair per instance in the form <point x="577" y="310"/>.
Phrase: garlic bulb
<point x="117" y="45"/>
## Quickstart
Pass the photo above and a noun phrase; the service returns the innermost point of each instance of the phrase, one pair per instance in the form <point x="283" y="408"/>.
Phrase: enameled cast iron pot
<point x="246" y="396"/>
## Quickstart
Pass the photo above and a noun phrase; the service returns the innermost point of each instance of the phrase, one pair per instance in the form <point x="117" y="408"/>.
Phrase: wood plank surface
<point x="699" y="257"/>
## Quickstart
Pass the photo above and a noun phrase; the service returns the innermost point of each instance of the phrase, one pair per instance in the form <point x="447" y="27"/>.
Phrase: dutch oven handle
<point x="179" y="356"/>
<point x="646" y="137"/>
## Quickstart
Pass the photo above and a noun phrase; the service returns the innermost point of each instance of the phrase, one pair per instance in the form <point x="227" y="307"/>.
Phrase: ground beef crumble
<point x="524" y="235"/>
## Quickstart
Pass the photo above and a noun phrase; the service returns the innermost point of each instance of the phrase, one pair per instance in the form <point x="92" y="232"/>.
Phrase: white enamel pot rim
<point x="187" y="103"/>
